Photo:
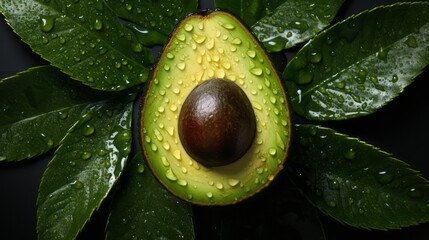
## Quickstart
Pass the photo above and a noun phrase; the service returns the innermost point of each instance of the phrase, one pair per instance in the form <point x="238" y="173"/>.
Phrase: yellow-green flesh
<point x="202" y="48"/>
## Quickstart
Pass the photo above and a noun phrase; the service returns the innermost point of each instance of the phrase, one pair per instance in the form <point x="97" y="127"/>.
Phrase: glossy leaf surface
<point x="144" y="209"/>
<point x="84" y="168"/>
<point x="278" y="211"/>
<point x="38" y="106"/>
<point x="85" y="39"/>
<point x="154" y="20"/>
<point x="359" y="65"/>
<point x="356" y="183"/>
<point x="295" y="21"/>
<point x="249" y="11"/>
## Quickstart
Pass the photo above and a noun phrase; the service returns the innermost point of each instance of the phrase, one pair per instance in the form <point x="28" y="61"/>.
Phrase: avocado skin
<point x="217" y="123"/>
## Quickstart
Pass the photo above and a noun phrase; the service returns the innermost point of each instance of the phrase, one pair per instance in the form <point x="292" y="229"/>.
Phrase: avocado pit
<point x="216" y="123"/>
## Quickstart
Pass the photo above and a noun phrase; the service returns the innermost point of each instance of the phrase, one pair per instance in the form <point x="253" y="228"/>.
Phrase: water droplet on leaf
<point x="140" y="168"/>
<point x="98" y="24"/>
<point x="88" y="130"/>
<point x="384" y="177"/>
<point x="47" y="23"/>
<point x="77" y="184"/>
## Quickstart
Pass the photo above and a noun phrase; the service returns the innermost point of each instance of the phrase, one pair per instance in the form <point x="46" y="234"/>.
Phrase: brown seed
<point x="217" y="123"/>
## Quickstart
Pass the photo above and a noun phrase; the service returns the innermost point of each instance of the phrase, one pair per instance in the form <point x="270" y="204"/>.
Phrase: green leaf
<point x="84" y="168"/>
<point x="156" y="19"/>
<point x="249" y="11"/>
<point x="279" y="212"/>
<point x="295" y="21"/>
<point x="144" y="209"/>
<point x="38" y="106"/>
<point x="85" y="39"/>
<point x="357" y="66"/>
<point x="356" y="183"/>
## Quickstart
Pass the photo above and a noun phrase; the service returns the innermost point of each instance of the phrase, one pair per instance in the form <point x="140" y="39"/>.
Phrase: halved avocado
<point x="213" y="67"/>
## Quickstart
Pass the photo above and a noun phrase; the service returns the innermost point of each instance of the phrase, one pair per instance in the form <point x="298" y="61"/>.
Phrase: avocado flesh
<point x="202" y="48"/>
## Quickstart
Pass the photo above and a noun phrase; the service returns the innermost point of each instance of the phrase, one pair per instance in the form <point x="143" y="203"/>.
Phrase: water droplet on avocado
<point x="47" y="23"/>
<point x="199" y="38"/>
<point x="251" y="53"/>
<point x="188" y="27"/>
<point x="181" y="37"/>
<point x="182" y="182"/>
<point x="170" y="175"/>
<point x="228" y="26"/>
<point x="210" y="44"/>
<point x="280" y="142"/>
<point x="233" y="182"/>
<point x="170" y="131"/>
<point x="173" y="108"/>
<point x="166" y="146"/>
<point x="219" y="185"/>
<point x="200" y="25"/>
<point x="209" y="194"/>
<point x="226" y="65"/>
<point x="177" y="154"/>
<point x="236" y="41"/>
<point x="256" y="71"/>
<point x="154" y="147"/>
<point x="158" y="135"/>
<point x="170" y="56"/>
<point x="165" y="161"/>
<point x="181" y="66"/>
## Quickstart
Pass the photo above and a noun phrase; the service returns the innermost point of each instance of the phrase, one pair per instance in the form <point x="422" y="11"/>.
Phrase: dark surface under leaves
<point x="401" y="128"/>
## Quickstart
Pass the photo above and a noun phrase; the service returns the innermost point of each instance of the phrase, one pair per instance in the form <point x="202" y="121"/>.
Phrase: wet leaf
<point x="153" y="20"/>
<point x="84" y="168"/>
<point x="295" y="21"/>
<point x="280" y="210"/>
<point x="249" y="11"/>
<point x="37" y="108"/>
<point x="356" y="183"/>
<point x="85" y="39"/>
<point x="144" y="209"/>
<point x="359" y="65"/>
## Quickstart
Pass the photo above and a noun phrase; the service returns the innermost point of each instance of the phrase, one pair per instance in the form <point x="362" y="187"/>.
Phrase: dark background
<point x="400" y="128"/>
